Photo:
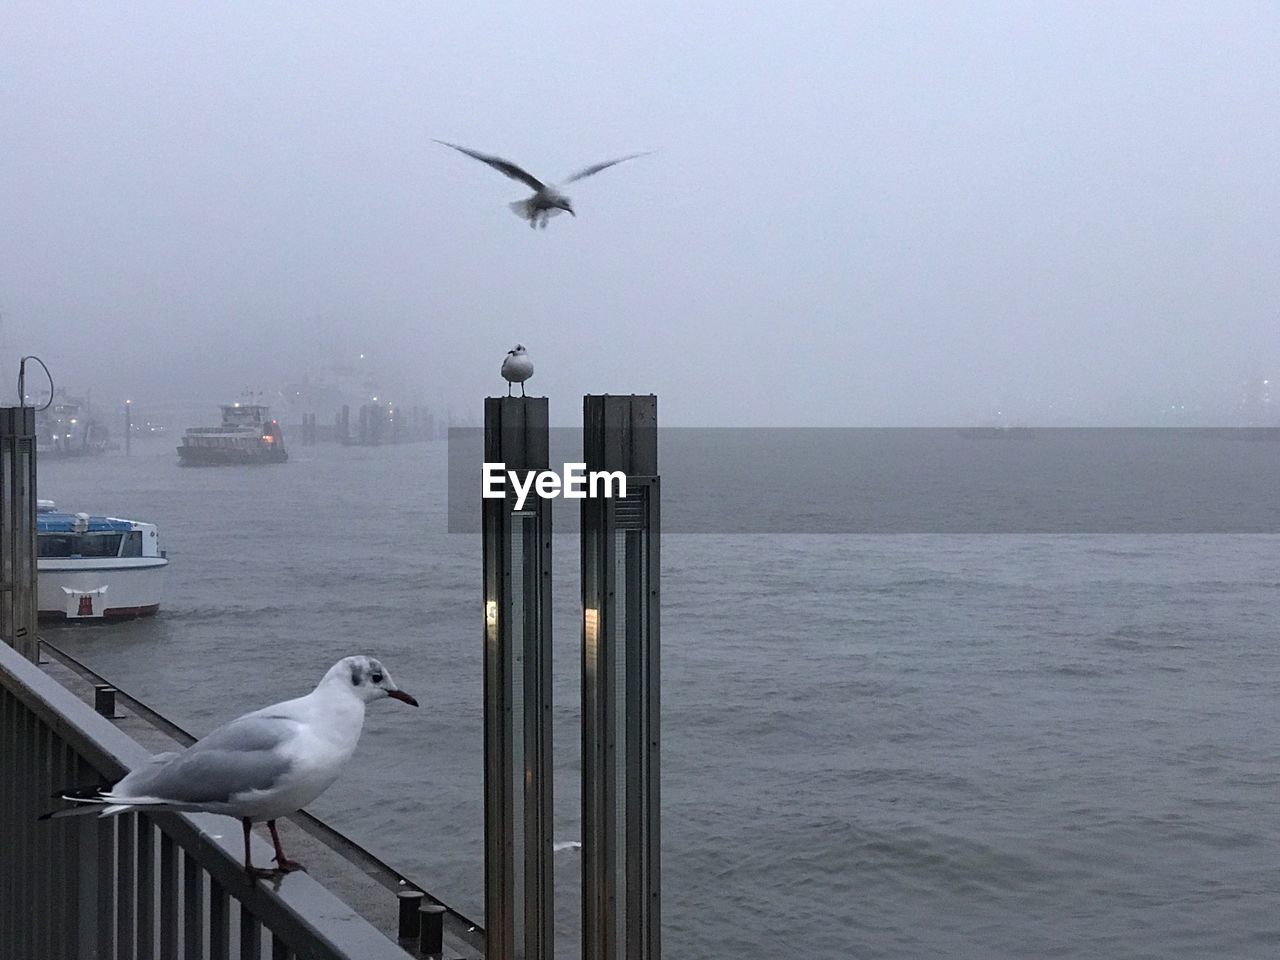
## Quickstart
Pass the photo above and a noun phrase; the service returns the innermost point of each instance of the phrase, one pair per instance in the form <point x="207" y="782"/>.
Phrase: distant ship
<point x="247" y="435"/>
<point x="66" y="428"/>
<point x="998" y="431"/>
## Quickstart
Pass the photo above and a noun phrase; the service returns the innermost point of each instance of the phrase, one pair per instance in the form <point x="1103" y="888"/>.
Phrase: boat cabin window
<point x="132" y="544"/>
<point x="55" y="544"/>
<point x="81" y="544"/>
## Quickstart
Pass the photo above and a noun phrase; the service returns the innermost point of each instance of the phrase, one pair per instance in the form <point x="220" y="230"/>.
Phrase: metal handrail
<point x="456" y="924"/>
<point x="297" y="909"/>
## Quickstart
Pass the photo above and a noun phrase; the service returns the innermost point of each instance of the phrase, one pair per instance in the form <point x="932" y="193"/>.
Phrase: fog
<point x="855" y="214"/>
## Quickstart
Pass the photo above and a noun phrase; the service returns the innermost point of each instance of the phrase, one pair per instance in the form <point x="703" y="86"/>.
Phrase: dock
<point x="169" y="885"/>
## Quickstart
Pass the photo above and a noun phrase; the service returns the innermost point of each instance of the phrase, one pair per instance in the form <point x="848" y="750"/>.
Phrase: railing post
<point x="621" y="865"/>
<point x="517" y="691"/>
<point x="18" y="530"/>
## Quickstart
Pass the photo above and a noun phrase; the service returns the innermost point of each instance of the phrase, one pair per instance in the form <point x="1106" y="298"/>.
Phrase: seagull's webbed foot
<point x="283" y="863"/>
<point x="260" y="873"/>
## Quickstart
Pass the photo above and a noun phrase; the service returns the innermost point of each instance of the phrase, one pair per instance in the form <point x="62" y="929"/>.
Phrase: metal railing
<point x="460" y="935"/>
<point x="135" y="887"/>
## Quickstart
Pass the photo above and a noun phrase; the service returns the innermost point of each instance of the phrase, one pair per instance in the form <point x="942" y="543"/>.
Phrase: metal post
<point x="410" y="902"/>
<point x="517" y="691"/>
<point x="104" y="700"/>
<point x="128" y="426"/>
<point x="621" y="863"/>
<point x="431" y="941"/>
<point x="18" y="530"/>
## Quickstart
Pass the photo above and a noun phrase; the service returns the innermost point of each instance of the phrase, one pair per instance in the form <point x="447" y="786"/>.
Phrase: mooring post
<point x="621" y="862"/>
<point x="517" y="690"/>
<point x="431" y="941"/>
<point x="18" y="606"/>
<point x="409" y="901"/>
<point x="104" y="700"/>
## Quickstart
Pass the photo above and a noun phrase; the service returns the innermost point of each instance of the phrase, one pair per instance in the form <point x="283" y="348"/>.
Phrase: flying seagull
<point x="546" y="201"/>
<point x="516" y="368"/>
<point x="262" y="766"/>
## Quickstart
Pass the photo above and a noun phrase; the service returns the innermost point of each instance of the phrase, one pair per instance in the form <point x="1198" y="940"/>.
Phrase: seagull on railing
<point x="516" y="368"/>
<point x="262" y="766"/>
<point x="546" y="201"/>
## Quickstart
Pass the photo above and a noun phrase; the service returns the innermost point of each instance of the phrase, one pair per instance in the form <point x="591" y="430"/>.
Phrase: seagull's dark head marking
<point x="369" y="679"/>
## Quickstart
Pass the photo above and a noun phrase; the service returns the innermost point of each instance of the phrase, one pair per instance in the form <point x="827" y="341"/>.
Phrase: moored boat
<point x="96" y="567"/>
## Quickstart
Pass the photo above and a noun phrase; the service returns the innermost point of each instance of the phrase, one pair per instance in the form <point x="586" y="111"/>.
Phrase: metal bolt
<point x="432" y="917"/>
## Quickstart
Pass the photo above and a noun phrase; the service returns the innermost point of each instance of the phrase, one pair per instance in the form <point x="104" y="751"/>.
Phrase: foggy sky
<point x="857" y="214"/>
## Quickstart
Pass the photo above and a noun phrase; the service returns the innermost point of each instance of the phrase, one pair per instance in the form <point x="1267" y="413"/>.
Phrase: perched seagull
<point x="516" y="368"/>
<point x="546" y="201"/>
<point x="262" y="766"/>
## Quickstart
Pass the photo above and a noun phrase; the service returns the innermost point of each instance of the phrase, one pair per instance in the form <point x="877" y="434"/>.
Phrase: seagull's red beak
<point x="402" y="696"/>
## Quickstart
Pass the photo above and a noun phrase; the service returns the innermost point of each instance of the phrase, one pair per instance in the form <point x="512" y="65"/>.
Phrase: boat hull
<point x="99" y="589"/>
<point x="222" y="457"/>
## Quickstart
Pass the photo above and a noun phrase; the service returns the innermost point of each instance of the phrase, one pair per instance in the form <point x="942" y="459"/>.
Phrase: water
<point x="873" y="746"/>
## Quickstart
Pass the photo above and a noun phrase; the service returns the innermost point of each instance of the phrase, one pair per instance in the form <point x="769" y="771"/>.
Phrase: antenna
<point x="22" y="381"/>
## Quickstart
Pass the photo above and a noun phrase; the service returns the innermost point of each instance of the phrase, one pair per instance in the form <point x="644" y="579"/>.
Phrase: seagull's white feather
<point x="516" y="366"/>
<point x="265" y="764"/>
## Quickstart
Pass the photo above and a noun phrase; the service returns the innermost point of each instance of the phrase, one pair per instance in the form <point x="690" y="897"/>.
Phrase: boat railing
<point x="135" y="886"/>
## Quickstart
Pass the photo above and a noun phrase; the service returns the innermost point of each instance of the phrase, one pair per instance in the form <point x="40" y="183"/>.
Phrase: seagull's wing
<point x="596" y="168"/>
<point x="505" y="167"/>
<point x="241" y="757"/>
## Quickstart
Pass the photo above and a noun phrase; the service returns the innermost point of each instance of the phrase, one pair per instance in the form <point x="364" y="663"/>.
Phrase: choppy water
<point x="876" y="746"/>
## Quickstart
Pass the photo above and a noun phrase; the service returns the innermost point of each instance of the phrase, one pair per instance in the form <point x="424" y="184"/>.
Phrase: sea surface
<point x="890" y="746"/>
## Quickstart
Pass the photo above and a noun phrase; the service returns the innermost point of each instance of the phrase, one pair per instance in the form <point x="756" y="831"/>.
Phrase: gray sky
<point x="859" y="213"/>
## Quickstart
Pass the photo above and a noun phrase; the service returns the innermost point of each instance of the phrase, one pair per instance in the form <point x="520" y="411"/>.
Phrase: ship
<point x="247" y="434"/>
<point x="66" y="428"/>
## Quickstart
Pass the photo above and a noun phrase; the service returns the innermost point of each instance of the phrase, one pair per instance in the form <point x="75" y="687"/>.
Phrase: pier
<point x="169" y="885"/>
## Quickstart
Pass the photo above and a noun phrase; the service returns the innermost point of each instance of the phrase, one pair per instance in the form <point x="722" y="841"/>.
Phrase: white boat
<point x="96" y="567"/>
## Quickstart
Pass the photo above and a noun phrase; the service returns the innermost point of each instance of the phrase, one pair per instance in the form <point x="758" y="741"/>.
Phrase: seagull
<point x="546" y="201"/>
<point x="516" y="368"/>
<point x="262" y="766"/>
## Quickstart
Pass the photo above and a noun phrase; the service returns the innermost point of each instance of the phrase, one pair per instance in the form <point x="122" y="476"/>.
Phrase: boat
<point x="247" y="434"/>
<point x="102" y="568"/>
<point x="997" y="431"/>
<point x="67" y="428"/>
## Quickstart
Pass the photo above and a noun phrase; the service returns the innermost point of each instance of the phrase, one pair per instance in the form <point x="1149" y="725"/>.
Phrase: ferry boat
<point x="96" y="567"/>
<point x="247" y="435"/>
<point x="67" y="428"/>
